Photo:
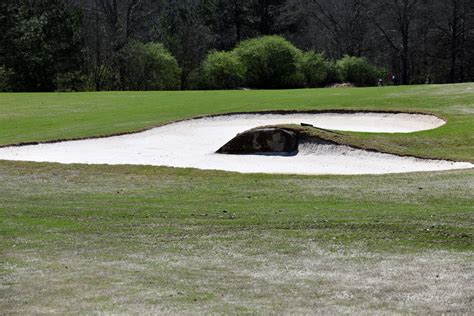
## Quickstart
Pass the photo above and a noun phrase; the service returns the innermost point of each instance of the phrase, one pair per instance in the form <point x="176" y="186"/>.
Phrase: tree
<point x="123" y="18"/>
<point x="453" y="23"/>
<point x="345" y="23"/>
<point x="40" y="42"/>
<point x="266" y="13"/>
<point x="52" y="44"/>
<point x="228" y="20"/>
<point x="108" y="26"/>
<point x="180" y="28"/>
<point x="395" y="19"/>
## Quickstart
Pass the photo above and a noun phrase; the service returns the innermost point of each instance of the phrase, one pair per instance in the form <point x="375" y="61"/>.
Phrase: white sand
<point x="193" y="144"/>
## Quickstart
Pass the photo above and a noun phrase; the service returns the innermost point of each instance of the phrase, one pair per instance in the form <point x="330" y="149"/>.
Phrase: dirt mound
<point x="262" y="140"/>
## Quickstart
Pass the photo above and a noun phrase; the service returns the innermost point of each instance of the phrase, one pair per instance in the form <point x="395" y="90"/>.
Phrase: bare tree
<point x="229" y="20"/>
<point x="266" y="12"/>
<point x="179" y="27"/>
<point x="345" y="23"/>
<point x="107" y="27"/>
<point x="454" y="22"/>
<point x="395" y="19"/>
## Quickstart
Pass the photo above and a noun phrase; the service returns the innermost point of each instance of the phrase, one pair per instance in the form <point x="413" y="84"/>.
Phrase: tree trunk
<point x="97" y="72"/>
<point x="405" y="50"/>
<point x="238" y="23"/>
<point x="454" y="42"/>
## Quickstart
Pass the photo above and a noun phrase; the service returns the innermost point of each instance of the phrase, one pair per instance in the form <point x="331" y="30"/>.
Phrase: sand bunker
<point x="193" y="144"/>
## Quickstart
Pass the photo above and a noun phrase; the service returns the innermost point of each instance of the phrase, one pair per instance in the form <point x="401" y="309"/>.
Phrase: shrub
<point x="358" y="70"/>
<point x="223" y="70"/>
<point x="314" y="67"/>
<point x="333" y="75"/>
<point x="296" y="80"/>
<point x="197" y="80"/>
<point x="270" y="61"/>
<point x="148" y="67"/>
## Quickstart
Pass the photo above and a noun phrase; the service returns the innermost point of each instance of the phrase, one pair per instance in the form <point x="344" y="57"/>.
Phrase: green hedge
<point x="315" y="69"/>
<point x="270" y="62"/>
<point x="223" y="70"/>
<point x="148" y="67"/>
<point x="359" y="71"/>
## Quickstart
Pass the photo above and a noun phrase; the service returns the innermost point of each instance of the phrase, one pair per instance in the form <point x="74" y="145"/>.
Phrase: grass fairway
<point x="41" y="117"/>
<point x="138" y="239"/>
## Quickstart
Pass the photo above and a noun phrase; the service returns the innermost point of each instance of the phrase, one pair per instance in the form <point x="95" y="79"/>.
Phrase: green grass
<point x="42" y="117"/>
<point x="139" y="239"/>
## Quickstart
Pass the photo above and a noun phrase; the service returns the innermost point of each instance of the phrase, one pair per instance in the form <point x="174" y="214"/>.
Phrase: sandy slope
<point x="193" y="144"/>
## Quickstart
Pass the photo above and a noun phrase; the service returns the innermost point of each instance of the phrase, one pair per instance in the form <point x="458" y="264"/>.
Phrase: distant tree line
<point x="74" y="45"/>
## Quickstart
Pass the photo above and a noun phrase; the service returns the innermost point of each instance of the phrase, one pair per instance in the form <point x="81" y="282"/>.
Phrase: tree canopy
<point x="48" y="45"/>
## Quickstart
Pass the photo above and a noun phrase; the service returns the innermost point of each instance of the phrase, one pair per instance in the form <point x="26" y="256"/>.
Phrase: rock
<point x="262" y="140"/>
<point x="343" y="85"/>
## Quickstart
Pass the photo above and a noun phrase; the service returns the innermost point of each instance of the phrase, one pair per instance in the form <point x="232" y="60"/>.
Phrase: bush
<point x="270" y="61"/>
<point x="223" y="70"/>
<point x="148" y="67"/>
<point x="333" y="75"/>
<point x="314" y="68"/>
<point x="197" y="80"/>
<point x="359" y="71"/>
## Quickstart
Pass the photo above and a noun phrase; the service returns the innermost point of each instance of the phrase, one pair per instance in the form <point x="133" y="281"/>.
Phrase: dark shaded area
<point x="72" y="45"/>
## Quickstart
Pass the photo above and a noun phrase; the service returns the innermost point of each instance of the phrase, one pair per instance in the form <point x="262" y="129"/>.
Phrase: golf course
<point x="80" y="236"/>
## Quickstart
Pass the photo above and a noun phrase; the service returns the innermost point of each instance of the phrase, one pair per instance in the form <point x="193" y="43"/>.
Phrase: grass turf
<point x="137" y="239"/>
<point x="42" y="117"/>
